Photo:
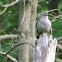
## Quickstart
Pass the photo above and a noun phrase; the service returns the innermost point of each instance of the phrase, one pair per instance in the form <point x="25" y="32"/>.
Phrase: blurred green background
<point x="9" y="24"/>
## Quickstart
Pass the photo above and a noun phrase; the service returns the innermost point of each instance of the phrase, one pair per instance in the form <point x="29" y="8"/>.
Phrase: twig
<point x="3" y="11"/>
<point x="19" y="45"/>
<point x="24" y="14"/>
<point x="47" y="11"/>
<point x="11" y="4"/>
<point x="4" y="28"/>
<point x="13" y="59"/>
<point x="59" y="39"/>
<point x="56" y="18"/>
<point x="7" y="36"/>
<point x="59" y="46"/>
<point x="53" y="10"/>
<point x="8" y="56"/>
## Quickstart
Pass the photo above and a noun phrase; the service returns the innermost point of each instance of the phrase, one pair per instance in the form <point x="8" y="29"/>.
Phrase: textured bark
<point x="20" y="29"/>
<point x="32" y="26"/>
<point x="24" y="30"/>
<point x="46" y="49"/>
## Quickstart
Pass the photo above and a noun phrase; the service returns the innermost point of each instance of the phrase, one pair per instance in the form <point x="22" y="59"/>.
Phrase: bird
<point x="44" y="25"/>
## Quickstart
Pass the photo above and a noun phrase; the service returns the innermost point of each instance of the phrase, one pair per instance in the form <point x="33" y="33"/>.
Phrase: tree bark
<point x="23" y="55"/>
<point x="46" y="49"/>
<point x="32" y="26"/>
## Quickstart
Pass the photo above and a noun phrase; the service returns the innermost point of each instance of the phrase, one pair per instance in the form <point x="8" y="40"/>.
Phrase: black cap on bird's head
<point x="45" y="14"/>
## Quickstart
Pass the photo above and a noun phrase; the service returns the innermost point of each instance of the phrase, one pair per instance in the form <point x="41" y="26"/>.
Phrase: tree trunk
<point x="32" y="27"/>
<point x="23" y="55"/>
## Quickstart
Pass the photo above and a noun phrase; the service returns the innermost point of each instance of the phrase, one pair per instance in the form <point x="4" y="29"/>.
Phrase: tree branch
<point x="4" y="28"/>
<point x="59" y="46"/>
<point x="56" y="18"/>
<point x="3" y="11"/>
<point x="53" y="10"/>
<point x="59" y="39"/>
<point x="19" y="45"/>
<point x="48" y="11"/>
<point x="8" y="36"/>
<point x="7" y="5"/>
<point x="11" y="4"/>
<point x="23" y="14"/>
<point x="8" y="56"/>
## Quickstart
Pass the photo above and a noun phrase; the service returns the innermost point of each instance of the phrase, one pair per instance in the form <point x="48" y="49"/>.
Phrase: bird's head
<point x="45" y="14"/>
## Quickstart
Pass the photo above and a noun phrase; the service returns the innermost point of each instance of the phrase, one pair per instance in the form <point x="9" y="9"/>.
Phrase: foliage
<point x="9" y="25"/>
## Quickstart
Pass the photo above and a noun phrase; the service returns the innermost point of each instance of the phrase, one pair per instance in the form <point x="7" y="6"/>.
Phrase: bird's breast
<point x="44" y="25"/>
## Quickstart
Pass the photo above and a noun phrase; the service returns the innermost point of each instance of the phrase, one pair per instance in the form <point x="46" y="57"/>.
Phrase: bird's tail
<point x="37" y="36"/>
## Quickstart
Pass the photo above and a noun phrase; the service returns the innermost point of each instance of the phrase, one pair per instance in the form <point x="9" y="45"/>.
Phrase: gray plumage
<point x="44" y="24"/>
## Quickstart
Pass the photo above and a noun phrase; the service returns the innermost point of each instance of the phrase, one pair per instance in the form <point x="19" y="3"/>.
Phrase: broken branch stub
<point x="46" y="48"/>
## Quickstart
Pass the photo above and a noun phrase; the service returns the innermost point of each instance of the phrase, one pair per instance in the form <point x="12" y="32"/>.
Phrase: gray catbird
<point x="44" y="25"/>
